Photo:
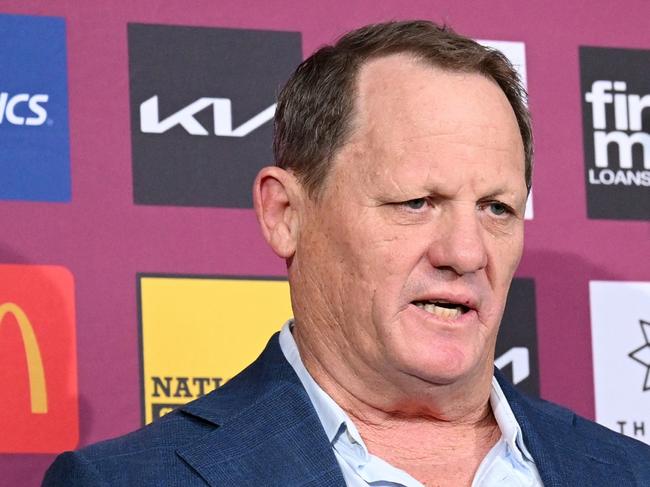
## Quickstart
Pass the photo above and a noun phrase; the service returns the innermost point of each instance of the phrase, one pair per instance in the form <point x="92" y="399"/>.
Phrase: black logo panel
<point x="516" y="352"/>
<point x="616" y="127"/>
<point x="202" y="105"/>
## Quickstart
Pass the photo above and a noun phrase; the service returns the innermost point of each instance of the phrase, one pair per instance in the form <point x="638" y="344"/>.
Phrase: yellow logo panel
<point x="198" y="332"/>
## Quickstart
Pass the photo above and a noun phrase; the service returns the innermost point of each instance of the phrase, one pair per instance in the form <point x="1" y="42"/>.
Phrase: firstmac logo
<point x="35" y="155"/>
<point x="616" y="124"/>
<point x="628" y="110"/>
<point x="201" y="124"/>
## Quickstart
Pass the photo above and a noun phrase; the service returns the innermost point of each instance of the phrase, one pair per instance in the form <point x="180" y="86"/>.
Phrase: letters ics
<point x="10" y="109"/>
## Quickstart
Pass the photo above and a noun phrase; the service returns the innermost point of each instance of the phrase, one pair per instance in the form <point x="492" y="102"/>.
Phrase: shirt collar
<point x="508" y="424"/>
<point x="330" y="414"/>
<point x="337" y="423"/>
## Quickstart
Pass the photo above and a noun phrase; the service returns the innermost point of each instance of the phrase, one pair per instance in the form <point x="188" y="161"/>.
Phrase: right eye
<point x="415" y="204"/>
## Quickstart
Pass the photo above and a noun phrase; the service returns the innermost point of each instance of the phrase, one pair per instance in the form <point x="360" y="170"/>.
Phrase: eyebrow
<point x="435" y="192"/>
<point x="497" y="193"/>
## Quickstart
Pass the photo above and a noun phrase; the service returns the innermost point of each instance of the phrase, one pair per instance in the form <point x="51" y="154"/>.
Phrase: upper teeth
<point x="440" y="311"/>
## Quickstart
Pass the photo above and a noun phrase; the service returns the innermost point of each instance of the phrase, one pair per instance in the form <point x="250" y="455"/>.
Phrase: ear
<point x="277" y="196"/>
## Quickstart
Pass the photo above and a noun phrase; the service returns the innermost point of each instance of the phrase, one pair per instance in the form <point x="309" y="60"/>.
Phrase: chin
<point x="439" y="364"/>
<point x="439" y="351"/>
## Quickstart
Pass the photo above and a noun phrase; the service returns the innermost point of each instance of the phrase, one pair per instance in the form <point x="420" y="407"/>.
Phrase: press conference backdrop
<point x="133" y="277"/>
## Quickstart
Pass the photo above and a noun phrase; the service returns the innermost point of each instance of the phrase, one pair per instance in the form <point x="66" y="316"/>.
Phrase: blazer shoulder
<point x="72" y="469"/>
<point x="571" y="445"/>
<point x="150" y="456"/>
<point x="171" y="431"/>
<point x="137" y="458"/>
<point x="597" y="438"/>
<point x="593" y="431"/>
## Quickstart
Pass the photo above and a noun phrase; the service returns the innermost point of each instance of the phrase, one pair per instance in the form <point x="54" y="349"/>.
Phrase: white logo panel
<point x="516" y="54"/>
<point x="620" y="330"/>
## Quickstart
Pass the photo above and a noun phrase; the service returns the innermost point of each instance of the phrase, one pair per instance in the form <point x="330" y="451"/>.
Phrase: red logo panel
<point x="38" y="360"/>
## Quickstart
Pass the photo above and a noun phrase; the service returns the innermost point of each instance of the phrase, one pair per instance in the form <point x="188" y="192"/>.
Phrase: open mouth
<point x="442" y="309"/>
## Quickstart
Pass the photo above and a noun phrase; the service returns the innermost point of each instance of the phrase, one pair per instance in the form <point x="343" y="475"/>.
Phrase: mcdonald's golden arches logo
<point x="37" y="360"/>
<point x="37" y="388"/>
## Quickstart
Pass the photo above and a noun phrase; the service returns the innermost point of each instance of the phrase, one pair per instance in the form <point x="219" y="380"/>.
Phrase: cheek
<point x="390" y="265"/>
<point x="502" y="265"/>
<point x="334" y="255"/>
<point x="400" y="266"/>
<point x="364" y="248"/>
<point x="505" y="254"/>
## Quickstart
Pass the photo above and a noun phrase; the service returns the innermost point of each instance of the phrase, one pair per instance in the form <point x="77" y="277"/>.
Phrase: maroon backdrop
<point x="104" y="240"/>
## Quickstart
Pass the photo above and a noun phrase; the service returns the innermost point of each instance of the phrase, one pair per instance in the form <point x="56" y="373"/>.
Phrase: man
<point x="404" y="159"/>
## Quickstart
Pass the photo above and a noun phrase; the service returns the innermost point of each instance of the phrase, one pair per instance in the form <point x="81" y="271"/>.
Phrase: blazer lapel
<point x="267" y="432"/>
<point x="562" y="453"/>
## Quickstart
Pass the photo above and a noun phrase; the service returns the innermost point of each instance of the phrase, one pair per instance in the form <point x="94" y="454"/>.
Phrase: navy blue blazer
<point x="260" y="429"/>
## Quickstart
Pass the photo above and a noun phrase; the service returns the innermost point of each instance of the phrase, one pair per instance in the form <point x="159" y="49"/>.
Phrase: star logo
<point x="642" y="354"/>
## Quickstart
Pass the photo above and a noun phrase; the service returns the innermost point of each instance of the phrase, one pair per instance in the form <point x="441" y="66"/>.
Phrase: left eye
<point x="498" y="208"/>
<point x="416" y="204"/>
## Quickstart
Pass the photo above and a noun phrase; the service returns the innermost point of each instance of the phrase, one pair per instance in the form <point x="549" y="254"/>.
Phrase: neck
<point x="433" y="452"/>
<point x="439" y="436"/>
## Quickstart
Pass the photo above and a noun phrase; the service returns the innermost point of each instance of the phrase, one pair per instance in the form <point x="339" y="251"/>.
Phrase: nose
<point x="459" y="242"/>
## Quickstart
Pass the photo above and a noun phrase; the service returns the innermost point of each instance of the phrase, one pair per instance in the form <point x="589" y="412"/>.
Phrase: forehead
<point x="414" y="98"/>
<point x="419" y="116"/>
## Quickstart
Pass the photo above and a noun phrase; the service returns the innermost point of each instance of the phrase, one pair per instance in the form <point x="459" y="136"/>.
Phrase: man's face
<point x="405" y="260"/>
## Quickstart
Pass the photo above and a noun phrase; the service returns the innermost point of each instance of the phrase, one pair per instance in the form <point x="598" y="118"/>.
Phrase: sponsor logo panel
<point x="38" y="360"/>
<point x="516" y="54"/>
<point x="202" y="104"/>
<point x="198" y="332"/>
<point x="616" y="125"/>
<point x="620" y="329"/>
<point x="35" y="155"/>
<point x="516" y="351"/>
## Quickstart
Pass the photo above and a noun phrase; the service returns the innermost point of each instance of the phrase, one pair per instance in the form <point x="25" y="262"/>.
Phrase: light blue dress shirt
<point x="507" y="464"/>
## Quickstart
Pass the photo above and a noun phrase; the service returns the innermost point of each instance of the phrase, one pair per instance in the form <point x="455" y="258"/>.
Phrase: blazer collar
<point x="267" y="430"/>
